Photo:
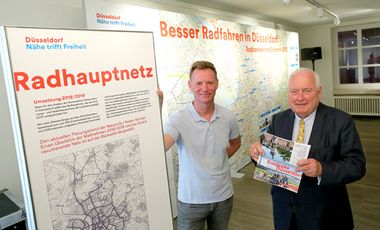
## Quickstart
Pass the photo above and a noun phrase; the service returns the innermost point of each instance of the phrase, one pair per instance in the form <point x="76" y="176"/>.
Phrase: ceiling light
<point x="316" y="4"/>
<point x="288" y="2"/>
<point x="336" y="21"/>
<point x="319" y="12"/>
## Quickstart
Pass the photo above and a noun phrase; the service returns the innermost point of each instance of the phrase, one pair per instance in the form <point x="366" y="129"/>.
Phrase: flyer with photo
<point x="277" y="166"/>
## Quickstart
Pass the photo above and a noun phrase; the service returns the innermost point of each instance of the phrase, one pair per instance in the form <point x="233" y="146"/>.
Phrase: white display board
<point x="87" y="127"/>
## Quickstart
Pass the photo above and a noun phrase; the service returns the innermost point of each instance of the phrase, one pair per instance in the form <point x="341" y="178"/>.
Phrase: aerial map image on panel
<point x="98" y="188"/>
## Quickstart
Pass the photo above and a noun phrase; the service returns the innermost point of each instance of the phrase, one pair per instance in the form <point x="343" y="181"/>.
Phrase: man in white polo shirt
<point x="206" y="135"/>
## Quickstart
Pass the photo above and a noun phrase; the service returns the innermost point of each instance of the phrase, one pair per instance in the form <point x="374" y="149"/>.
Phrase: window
<point x="357" y="57"/>
<point x="371" y="55"/>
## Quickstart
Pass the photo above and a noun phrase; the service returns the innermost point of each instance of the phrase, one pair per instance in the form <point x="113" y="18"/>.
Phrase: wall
<point x="319" y="36"/>
<point x="315" y="36"/>
<point x="39" y="13"/>
<point x="69" y="14"/>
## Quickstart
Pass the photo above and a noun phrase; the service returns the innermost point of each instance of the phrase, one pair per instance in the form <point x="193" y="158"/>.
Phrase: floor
<point x="252" y="201"/>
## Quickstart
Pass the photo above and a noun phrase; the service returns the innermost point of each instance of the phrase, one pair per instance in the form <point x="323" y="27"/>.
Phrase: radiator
<point x="359" y="105"/>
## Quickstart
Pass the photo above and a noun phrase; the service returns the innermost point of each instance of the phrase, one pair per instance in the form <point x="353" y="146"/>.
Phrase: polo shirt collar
<point x="195" y="115"/>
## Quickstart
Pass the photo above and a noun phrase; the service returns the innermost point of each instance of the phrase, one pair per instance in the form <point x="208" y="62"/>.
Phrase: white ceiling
<point x="299" y="13"/>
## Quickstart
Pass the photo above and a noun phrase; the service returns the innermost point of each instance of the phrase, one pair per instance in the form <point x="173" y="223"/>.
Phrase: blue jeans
<point x="194" y="216"/>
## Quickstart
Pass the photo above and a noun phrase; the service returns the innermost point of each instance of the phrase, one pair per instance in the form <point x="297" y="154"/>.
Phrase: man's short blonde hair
<point x="203" y="65"/>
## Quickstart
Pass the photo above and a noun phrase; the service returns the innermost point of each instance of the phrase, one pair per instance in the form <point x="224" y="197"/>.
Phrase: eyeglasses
<point x="306" y="91"/>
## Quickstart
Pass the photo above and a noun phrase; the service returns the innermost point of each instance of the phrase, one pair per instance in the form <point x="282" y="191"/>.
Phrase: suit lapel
<point x="288" y="126"/>
<point x="318" y="126"/>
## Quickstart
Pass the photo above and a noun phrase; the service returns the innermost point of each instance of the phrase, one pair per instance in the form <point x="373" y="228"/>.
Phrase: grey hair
<point x="315" y="74"/>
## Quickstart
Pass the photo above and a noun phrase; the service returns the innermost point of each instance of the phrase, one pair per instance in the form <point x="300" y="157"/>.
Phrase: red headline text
<point x="62" y="77"/>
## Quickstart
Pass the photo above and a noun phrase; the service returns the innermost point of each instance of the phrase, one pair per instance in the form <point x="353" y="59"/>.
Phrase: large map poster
<point x="90" y="127"/>
<point x="253" y="62"/>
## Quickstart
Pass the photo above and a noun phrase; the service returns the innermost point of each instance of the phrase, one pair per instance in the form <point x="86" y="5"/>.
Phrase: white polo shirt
<point x="204" y="170"/>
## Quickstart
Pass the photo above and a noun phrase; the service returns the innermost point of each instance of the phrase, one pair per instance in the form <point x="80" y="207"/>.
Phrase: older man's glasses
<point x="305" y="91"/>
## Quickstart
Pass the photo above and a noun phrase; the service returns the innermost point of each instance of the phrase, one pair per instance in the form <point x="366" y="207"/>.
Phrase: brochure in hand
<point x="277" y="166"/>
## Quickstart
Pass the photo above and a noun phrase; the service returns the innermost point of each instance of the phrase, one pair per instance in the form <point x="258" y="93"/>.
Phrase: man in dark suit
<point x="335" y="159"/>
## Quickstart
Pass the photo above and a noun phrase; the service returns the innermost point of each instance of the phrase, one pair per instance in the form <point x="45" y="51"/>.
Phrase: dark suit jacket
<point x="335" y="143"/>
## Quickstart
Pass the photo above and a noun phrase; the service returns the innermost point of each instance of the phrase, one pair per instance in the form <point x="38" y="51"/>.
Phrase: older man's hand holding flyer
<point x="277" y="166"/>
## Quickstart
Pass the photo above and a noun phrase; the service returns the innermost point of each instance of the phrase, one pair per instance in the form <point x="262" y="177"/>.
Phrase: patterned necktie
<point x="301" y="131"/>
